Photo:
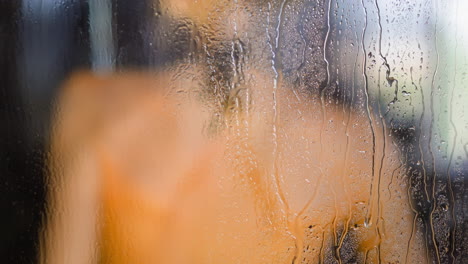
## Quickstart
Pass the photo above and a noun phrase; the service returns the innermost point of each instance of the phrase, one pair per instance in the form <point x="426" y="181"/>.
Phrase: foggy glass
<point x="344" y="124"/>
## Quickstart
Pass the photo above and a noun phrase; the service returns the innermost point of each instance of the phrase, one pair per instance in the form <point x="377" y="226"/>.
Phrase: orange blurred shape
<point x="138" y="176"/>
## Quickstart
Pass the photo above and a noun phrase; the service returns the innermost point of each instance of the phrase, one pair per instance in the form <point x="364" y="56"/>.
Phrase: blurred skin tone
<point x="146" y="168"/>
<point x="198" y="10"/>
<point x="136" y="177"/>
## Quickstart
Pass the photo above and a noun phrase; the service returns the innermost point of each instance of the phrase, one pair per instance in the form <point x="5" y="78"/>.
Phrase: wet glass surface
<point x="323" y="131"/>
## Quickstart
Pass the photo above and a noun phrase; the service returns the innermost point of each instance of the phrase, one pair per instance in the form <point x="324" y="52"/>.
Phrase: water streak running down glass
<point x="216" y="131"/>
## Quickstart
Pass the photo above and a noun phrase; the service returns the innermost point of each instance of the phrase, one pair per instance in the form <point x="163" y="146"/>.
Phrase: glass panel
<point x="215" y="131"/>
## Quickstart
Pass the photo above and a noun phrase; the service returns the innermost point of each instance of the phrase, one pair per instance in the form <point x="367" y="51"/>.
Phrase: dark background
<point x="37" y="53"/>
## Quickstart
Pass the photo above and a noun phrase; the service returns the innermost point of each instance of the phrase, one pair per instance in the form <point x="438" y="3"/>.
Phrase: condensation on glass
<point x="247" y="131"/>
